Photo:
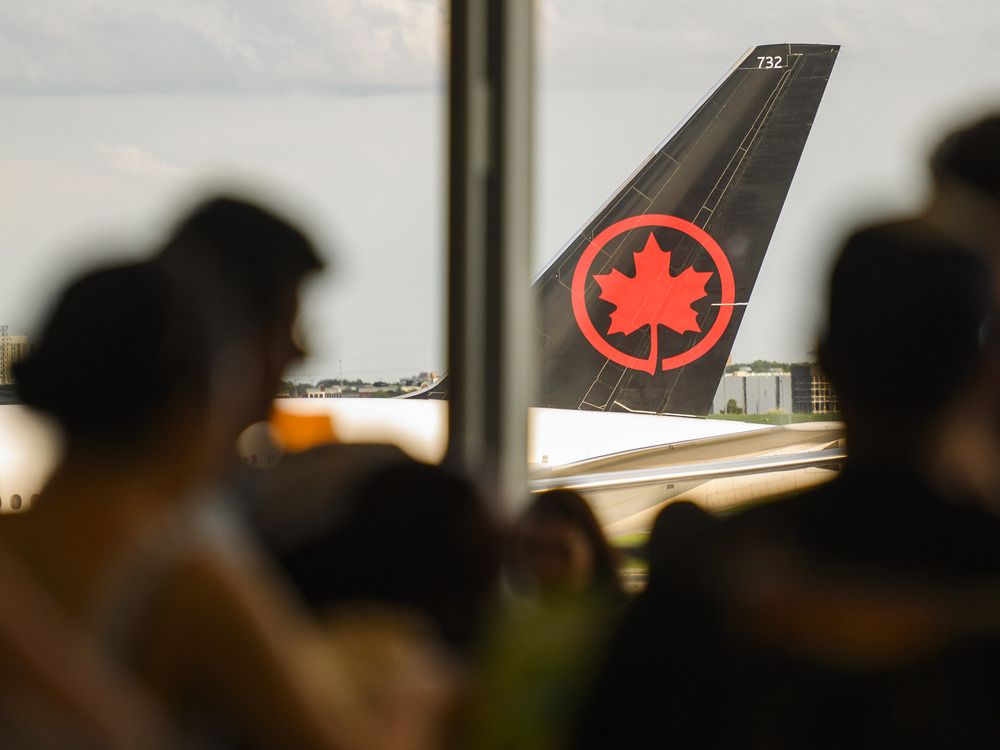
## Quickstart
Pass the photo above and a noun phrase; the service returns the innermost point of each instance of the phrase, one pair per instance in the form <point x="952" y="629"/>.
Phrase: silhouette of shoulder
<point x="882" y="517"/>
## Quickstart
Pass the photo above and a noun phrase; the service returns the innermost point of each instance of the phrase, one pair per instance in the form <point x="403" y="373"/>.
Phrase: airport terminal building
<point x="753" y="393"/>
<point x="12" y="350"/>
<point x="803" y="390"/>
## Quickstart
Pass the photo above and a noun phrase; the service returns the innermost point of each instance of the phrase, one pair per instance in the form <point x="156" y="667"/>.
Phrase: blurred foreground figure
<point x="865" y="612"/>
<point x="539" y="658"/>
<point x="122" y="368"/>
<point x="653" y="682"/>
<point x="243" y="265"/>
<point x="678" y="529"/>
<point x="560" y="548"/>
<point x="965" y="202"/>
<point x="879" y="593"/>
<point x="965" y="168"/>
<point x="57" y="690"/>
<point x="162" y="581"/>
<point x="411" y="538"/>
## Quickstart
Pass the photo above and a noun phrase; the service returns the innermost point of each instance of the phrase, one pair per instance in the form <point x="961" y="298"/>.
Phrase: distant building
<point x="802" y="389"/>
<point x="425" y="379"/>
<point x="753" y="393"/>
<point x="12" y="350"/>
<point x="812" y="392"/>
<point x="333" y="391"/>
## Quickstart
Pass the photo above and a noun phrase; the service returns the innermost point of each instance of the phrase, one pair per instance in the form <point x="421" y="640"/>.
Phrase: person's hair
<point x="119" y="350"/>
<point x="413" y="535"/>
<point x="971" y="154"/>
<point x="255" y="253"/>
<point x="568" y="507"/>
<point x="674" y="542"/>
<point x="909" y="308"/>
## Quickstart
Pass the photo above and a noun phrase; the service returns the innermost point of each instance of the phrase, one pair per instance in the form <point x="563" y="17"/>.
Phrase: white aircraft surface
<point x="627" y="465"/>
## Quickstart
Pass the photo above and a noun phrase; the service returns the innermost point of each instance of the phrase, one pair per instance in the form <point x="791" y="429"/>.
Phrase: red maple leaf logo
<point x="653" y="297"/>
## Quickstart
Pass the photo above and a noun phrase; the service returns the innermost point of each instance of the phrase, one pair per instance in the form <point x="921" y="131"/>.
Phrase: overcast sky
<point x="117" y="113"/>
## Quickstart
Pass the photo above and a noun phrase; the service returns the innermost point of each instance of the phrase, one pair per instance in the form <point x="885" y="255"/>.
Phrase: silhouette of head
<point x="908" y="311"/>
<point x="120" y="355"/>
<point x="413" y="535"/>
<point x="971" y="155"/>
<point x="560" y="546"/>
<point x="673" y="543"/>
<point x="244" y="264"/>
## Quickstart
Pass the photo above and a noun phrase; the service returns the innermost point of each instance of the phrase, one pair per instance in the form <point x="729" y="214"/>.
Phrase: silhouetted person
<point x="58" y="691"/>
<point x="910" y="321"/>
<point x="123" y="368"/>
<point x="540" y="656"/>
<point x="679" y="530"/>
<point x="243" y="264"/>
<point x="410" y="536"/>
<point x="965" y="202"/>
<point x="161" y="579"/>
<point x="886" y="578"/>
<point x="559" y="547"/>
<point x="965" y="199"/>
<point x="970" y="153"/>
<point x="861" y="613"/>
<point x="662" y="653"/>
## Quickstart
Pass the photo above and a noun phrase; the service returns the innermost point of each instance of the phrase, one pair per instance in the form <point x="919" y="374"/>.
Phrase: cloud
<point x="219" y="46"/>
<point x="596" y="44"/>
<point x="366" y="46"/>
<point x="133" y="161"/>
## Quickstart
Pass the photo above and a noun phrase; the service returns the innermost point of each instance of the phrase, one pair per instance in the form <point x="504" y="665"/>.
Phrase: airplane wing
<point x="626" y="489"/>
<point x="827" y="458"/>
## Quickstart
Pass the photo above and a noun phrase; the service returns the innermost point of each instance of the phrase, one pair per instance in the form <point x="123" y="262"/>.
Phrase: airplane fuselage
<point x="562" y="443"/>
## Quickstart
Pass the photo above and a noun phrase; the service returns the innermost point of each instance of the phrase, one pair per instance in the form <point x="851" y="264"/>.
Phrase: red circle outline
<point x="696" y="233"/>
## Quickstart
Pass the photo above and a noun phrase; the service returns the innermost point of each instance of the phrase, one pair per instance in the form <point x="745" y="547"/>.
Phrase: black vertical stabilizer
<point x="724" y="172"/>
<point x="656" y="338"/>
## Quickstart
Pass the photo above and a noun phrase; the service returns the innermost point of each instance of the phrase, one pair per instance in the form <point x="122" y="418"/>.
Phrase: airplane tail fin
<point x="639" y="311"/>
